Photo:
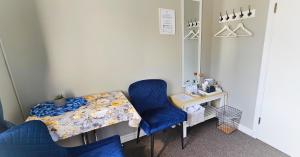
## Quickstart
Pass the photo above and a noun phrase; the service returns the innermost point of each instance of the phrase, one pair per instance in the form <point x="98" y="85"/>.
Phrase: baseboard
<point x="247" y="130"/>
<point x="131" y="136"/>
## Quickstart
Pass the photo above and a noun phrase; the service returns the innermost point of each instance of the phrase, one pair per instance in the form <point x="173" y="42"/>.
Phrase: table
<point x="103" y="109"/>
<point x="218" y="98"/>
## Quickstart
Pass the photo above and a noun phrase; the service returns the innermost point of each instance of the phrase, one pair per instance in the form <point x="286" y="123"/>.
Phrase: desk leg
<point x="184" y="129"/>
<point x="223" y="101"/>
<point x="95" y="134"/>
<point x="84" y="138"/>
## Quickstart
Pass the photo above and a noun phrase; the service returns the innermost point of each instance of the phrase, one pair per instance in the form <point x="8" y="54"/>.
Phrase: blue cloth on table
<point x="50" y="109"/>
<point x="32" y="139"/>
<point x="149" y="97"/>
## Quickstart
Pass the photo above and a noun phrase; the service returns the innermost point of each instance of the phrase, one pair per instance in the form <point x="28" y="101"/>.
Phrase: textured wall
<point x="8" y="98"/>
<point x="93" y="46"/>
<point x="77" y="47"/>
<point x="23" y="44"/>
<point x="235" y="62"/>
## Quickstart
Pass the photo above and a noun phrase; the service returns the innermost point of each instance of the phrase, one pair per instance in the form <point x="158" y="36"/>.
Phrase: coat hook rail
<point x="237" y="15"/>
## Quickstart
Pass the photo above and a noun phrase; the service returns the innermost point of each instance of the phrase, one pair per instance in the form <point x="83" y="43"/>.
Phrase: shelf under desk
<point x="184" y="101"/>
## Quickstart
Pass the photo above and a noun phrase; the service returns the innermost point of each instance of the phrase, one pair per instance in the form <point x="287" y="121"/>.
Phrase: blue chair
<point x="4" y="125"/>
<point x="149" y="97"/>
<point x="32" y="139"/>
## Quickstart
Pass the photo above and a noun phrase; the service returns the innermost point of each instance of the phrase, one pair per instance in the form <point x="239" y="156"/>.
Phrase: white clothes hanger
<point x="226" y="29"/>
<point x="190" y="34"/>
<point x="196" y="35"/>
<point x="241" y="26"/>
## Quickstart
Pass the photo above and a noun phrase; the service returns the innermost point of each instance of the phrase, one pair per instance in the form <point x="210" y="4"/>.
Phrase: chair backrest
<point x="148" y="94"/>
<point x="4" y="125"/>
<point x="1" y="112"/>
<point x="31" y="139"/>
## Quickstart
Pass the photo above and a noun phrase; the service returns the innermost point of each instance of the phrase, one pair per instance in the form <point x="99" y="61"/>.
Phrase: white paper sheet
<point x="183" y="97"/>
<point x="167" y="21"/>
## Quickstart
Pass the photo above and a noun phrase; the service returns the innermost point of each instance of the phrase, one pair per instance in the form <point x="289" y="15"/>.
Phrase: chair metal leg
<point x="182" y="134"/>
<point x="138" y="135"/>
<point x="152" y="145"/>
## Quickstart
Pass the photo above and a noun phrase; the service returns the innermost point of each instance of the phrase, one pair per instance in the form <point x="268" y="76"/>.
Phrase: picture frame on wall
<point x="167" y="21"/>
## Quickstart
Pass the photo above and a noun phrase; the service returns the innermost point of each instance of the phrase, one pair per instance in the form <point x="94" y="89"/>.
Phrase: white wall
<point x="20" y="33"/>
<point x="235" y="63"/>
<point x="23" y="42"/>
<point x="8" y="98"/>
<point x="207" y="19"/>
<point x="77" y="47"/>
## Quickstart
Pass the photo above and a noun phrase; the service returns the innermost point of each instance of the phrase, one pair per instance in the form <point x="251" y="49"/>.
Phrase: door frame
<point x="264" y="67"/>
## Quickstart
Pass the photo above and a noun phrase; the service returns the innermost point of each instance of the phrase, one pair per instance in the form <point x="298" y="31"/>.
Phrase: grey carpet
<point x="203" y="140"/>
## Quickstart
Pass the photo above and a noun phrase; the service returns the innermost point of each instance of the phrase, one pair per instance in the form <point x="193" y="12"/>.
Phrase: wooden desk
<point x="216" y="100"/>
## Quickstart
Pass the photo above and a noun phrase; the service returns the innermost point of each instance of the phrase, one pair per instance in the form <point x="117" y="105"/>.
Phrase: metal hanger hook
<point x="227" y="18"/>
<point x="234" y="15"/>
<point x="189" y="23"/>
<point x="242" y="14"/>
<point x="250" y="13"/>
<point x="221" y="17"/>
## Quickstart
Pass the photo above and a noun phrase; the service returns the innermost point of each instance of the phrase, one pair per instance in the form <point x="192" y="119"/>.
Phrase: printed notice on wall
<point x="167" y="21"/>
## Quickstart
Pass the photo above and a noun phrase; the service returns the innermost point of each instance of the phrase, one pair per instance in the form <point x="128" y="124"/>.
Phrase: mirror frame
<point x="182" y="38"/>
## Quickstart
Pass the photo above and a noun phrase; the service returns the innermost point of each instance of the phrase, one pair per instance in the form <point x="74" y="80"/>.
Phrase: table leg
<point x="95" y="134"/>
<point x="222" y="101"/>
<point x="184" y="129"/>
<point x="87" y="137"/>
<point x="84" y="138"/>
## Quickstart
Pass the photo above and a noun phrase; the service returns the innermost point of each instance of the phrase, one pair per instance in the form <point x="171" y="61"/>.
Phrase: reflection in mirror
<point x="191" y="40"/>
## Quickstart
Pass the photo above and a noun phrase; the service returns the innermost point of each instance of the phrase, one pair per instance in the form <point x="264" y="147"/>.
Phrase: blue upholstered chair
<point x="4" y="125"/>
<point x="32" y="139"/>
<point x="149" y="97"/>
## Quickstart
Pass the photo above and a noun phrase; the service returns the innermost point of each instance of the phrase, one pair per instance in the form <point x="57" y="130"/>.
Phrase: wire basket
<point x="228" y="119"/>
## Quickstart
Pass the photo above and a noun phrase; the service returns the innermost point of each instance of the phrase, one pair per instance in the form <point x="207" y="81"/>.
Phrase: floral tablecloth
<point x="102" y="110"/>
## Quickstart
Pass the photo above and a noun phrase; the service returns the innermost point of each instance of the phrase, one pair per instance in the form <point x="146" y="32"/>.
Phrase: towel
<point x="194" y="108"/>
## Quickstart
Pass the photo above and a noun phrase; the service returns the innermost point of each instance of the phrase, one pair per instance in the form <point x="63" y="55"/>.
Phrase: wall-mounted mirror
<point x="191" y="39"/>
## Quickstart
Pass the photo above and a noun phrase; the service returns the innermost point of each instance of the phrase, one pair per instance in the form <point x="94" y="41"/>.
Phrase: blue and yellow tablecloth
<point x="102" y="110"/>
